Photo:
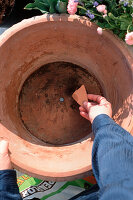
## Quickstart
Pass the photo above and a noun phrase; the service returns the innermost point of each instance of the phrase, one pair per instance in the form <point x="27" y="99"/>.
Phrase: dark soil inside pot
<point x="47" y="108"/>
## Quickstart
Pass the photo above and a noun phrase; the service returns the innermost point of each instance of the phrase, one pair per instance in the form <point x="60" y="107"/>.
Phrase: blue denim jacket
<point x="112" y="163"/>
<point x="8" y="185"/>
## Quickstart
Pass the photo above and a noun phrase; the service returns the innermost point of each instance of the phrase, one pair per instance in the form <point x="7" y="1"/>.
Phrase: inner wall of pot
<point x="47" y="108"/>
<point x="38" y="45"/>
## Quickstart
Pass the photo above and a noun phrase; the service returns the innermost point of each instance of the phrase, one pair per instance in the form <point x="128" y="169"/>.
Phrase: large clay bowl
<point x="42" y="61"/>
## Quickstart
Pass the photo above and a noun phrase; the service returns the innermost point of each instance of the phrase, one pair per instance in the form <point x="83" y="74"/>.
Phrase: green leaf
<point x="123" y="26"/>
<point x="45" y="2"/>
<point x="61" y="6"/>
<point x="131" y="28"/>
<point x="37" y="5"/>
<point x="102" y="25"/>
<point x="122" y="35"/>
<point x="44" y="6"/>
<point x="52" y="4"/>
<point x="111" y="16"/>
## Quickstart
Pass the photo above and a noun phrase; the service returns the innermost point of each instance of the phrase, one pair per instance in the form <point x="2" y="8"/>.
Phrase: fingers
<point x="84" y="114"/>
<point x="87" y="105"/>
<point x="4" y="147"/>
<point x="82" y="109"/>
<point x="97" y="98"/>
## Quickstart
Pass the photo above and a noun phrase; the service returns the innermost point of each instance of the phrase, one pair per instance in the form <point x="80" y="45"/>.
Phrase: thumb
<point x="5" y="161"/>
<point x="4" y="147"/>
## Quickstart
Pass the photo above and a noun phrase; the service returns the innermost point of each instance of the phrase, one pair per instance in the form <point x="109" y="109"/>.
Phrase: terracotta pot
<point x="48" y="139"/>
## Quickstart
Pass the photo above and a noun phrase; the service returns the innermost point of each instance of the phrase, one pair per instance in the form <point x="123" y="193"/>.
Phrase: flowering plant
<point x="115" y="15"/>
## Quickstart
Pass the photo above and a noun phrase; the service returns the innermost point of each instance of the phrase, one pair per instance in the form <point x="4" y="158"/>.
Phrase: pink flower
<point x="99" y="31"/>
<point x="72" y="7"/>
<point x="104" y="15"/>
<point x="105" y="11"/>
<point x="101" y="8"/>
<point x="129" y="38"/>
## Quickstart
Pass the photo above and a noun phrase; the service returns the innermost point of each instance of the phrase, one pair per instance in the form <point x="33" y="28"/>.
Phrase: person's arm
<point x="8" y="182"/>
<point x="8" y="185"/>
<point x="112" y="159"/>
<point x="112" y="155"/>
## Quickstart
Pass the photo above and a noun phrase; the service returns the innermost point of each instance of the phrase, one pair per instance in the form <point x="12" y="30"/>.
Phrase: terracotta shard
<point x="80" y="95"/>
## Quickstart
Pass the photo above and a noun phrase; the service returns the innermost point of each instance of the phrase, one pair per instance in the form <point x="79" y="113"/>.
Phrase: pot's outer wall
<point x="49" y="38"/>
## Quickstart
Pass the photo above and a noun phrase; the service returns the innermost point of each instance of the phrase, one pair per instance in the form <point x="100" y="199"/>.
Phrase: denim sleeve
<point x="8" y="185"/>
<point x="112" y="159"/>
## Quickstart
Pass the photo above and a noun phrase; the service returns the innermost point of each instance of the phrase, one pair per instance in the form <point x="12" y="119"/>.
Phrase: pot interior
<point x="46" y="106"/>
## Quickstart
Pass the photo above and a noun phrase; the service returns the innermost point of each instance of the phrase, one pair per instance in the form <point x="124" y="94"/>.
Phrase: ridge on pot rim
<point x="36" y="42"/>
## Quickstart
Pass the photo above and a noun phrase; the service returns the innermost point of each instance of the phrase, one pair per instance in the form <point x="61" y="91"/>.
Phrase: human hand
<point x="5" y="161"/>
<point x="100" y="105"/>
